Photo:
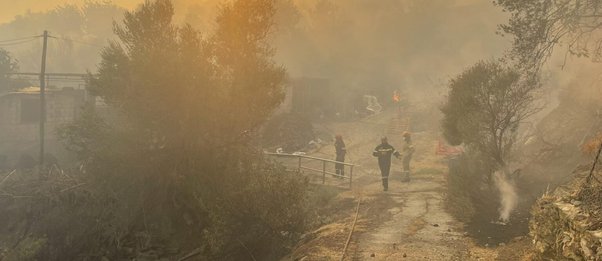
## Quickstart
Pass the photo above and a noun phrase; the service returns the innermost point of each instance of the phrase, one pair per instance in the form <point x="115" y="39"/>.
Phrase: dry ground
<point x="406" y="223"/>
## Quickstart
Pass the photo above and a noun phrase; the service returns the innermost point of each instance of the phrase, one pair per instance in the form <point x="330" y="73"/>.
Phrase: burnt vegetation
<point x="567" y="28"/>
<point x="485" y="107"/>
<point x="489" y="103"/>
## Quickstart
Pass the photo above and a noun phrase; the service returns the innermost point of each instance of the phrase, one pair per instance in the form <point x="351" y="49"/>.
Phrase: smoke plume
<point x="508" y="195"/>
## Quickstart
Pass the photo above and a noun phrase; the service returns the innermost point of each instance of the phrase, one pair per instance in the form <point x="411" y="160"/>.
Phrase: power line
<point x="18" y="43"/>
<point x="19" y="39"/>
<point x="76" y="41"/>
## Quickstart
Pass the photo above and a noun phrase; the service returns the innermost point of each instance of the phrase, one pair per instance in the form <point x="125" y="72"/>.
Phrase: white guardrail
<point x="323" y="171"/>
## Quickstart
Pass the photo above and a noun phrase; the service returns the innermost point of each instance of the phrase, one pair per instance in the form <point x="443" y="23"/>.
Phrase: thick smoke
<point x="508" y="195"/>
<point x="409" y="44"/>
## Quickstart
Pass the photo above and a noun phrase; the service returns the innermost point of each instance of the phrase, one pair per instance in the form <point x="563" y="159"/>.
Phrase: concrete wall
<point x="18" y="137"/>
<point x="312" y="97"/>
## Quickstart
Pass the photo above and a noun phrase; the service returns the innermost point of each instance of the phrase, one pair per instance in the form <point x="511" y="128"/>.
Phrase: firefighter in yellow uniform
<point x="407" y="150"/>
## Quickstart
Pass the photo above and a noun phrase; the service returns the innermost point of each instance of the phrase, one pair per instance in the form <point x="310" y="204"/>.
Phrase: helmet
<point x="383" y="139"/>
<point x="406" y="134"/>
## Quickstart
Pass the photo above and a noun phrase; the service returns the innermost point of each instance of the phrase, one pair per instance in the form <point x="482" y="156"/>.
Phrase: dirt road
<point x="414" y="224"/>
<point x="408" y="222"/>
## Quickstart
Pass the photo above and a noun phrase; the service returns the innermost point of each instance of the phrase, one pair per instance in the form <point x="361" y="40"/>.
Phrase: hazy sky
<point x="11" y="8"/>
<point x="364" y="41"/>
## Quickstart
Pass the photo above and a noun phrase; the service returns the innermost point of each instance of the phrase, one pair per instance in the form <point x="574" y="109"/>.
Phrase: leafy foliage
<point x="538" y="26"/>
<point x="8" y="65"/>
<point x="174" y="152"/>
<point x="79" y="30"/>
<point x="485" y="107"/>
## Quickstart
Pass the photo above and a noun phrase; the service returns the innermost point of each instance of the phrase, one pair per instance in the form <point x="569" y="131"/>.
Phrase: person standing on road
<point x="339" y="146"/>
<point x="407" y="150"/>
<point x="384" y="151"/>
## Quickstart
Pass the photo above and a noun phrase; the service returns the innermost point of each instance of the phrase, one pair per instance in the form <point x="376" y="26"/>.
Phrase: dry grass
<point x="518" y="249"/>
<point x="591" y="146"/>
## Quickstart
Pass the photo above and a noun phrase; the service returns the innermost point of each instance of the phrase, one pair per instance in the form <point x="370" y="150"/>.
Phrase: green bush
<point x="468" y="191"/>
<point x="172" y="170"/>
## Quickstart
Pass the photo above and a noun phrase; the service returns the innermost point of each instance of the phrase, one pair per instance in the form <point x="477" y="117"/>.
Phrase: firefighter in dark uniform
<point x="384" y="151"/>
<point x="339" y="146"/>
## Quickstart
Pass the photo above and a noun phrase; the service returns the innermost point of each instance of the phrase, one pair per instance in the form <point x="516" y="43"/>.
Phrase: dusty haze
<point x="184" y="118"/>
<point x="357" y="44"/>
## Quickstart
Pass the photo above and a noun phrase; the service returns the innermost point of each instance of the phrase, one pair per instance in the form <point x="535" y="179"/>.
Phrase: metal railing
<point x="323" y="171"/>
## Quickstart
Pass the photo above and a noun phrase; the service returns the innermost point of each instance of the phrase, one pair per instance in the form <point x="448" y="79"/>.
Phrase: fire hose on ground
<point x="357" y="211"/>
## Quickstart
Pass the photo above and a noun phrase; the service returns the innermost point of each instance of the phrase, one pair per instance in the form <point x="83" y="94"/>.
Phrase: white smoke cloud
<point x="508" y="195"/>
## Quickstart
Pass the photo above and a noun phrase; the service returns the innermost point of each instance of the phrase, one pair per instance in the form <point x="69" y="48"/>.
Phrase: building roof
<point x="34" y="90"/>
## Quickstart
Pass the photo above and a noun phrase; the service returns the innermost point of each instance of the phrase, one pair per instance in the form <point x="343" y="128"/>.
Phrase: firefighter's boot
<point x="385" y="183"/>
<point x="406" y="176"/>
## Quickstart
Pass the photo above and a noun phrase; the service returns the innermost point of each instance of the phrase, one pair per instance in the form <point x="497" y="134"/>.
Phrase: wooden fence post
<point x="350" y="176"/>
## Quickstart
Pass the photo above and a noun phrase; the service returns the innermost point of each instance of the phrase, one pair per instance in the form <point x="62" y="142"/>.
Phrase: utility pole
<point x="43" y="99"/>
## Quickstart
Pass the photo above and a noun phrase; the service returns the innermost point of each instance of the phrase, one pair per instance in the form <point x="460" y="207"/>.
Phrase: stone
<point x="519" y="238"/>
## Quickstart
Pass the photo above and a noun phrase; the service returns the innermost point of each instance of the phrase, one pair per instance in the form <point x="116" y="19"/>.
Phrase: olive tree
<point x="538" y="26"/>
<point x="8" y="65"/>
<point x="485" y="107"/>
<point x="175" y="153"/>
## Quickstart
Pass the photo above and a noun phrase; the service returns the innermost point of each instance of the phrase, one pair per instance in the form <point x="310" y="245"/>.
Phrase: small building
<point x="20" y="121"/>
<point x="312" y="97"/>
<point x="322" y="98"/>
